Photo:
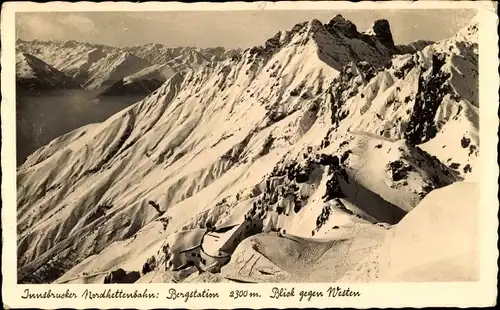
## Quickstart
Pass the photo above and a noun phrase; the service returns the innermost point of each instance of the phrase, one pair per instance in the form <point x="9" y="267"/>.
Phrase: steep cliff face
<point x="320" y="130"/>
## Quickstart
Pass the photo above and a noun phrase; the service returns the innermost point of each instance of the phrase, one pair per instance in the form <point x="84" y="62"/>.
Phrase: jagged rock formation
<point x="382" y="31"/>
<point x="121" y="276"/>
<point x="320" y="131"/>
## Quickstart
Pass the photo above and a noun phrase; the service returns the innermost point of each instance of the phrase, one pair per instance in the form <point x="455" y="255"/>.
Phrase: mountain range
<point x="325" y="154"/>
<point x="96" y="66"/>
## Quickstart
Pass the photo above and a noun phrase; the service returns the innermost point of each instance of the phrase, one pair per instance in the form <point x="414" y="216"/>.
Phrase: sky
<point x="229" y="29"/>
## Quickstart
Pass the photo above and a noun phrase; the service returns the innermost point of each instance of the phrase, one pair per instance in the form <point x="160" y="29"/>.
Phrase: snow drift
<point x="438" y="241"/>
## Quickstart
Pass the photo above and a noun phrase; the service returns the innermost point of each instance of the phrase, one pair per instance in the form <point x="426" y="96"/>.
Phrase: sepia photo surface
<point x="317" y="150"/>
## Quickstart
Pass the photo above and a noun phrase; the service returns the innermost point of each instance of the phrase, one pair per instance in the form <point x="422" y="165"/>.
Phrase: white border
<point x="482" y="293"/>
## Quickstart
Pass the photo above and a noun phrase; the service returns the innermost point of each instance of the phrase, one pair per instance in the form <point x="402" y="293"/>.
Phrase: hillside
<point x="32" y="74"/>
<point x="316" y="133"/>
<point x="141" y="83"/>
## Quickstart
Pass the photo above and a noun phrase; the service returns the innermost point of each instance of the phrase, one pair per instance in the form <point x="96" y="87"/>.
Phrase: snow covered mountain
<point x="97" y="66"/>
<point x="167" y="62"/>
<point x="325" y="134"/>
<point x="33" y="74"/>
<point x="94" y="66"/>
<point x="112" y="78"/>
<point x="161" y="54"/>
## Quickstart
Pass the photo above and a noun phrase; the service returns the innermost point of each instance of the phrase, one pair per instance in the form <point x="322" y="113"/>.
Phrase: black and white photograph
<point x="247" y="146"/>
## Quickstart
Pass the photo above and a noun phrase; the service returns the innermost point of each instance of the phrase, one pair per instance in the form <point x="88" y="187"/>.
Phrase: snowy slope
<point x="429" y="98"/>
<point x="142" y="83"/>
<point x="318" y="132"/>
<point x="190" y="60"/>
<point x="34" y="74"/>
<point x="113" y="67"/>
<point x="435" y="242"/>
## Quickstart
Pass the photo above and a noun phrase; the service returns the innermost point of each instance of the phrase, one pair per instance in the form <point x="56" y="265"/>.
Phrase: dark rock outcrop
<point x="340" y="24"/>
<point x="382" y="31"/>
<point x="136" y="88"/>
<point x="399" y="170"/>
<point x="430" y="94"/>
<point x="121" y="276"/>
<point x="413" y="47"/>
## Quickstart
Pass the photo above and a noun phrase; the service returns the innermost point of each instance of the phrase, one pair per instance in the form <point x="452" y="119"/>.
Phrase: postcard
<point x="249" y="155"/>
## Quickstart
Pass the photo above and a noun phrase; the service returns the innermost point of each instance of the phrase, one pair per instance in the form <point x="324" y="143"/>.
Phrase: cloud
<point x="77" y="22"/>
<point x="54" y="26"/>
<point x="224" y="28"/>
<point x="37" y="27"/>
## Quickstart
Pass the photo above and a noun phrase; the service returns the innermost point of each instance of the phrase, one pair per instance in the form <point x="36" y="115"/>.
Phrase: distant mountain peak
<point x="346" y="27"/>
<point x="338" y="42"/>
<point x="33" y="73"/>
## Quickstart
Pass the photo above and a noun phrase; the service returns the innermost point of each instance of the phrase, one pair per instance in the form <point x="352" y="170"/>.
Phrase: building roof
<point x="185" y="240"/>
<point x="213" y="241"/>
<point x="237" y="216"/>
<point x="223" y="229"/>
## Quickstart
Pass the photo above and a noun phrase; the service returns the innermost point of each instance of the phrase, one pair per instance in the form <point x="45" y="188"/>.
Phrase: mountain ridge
<point x="98" y="66"/>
